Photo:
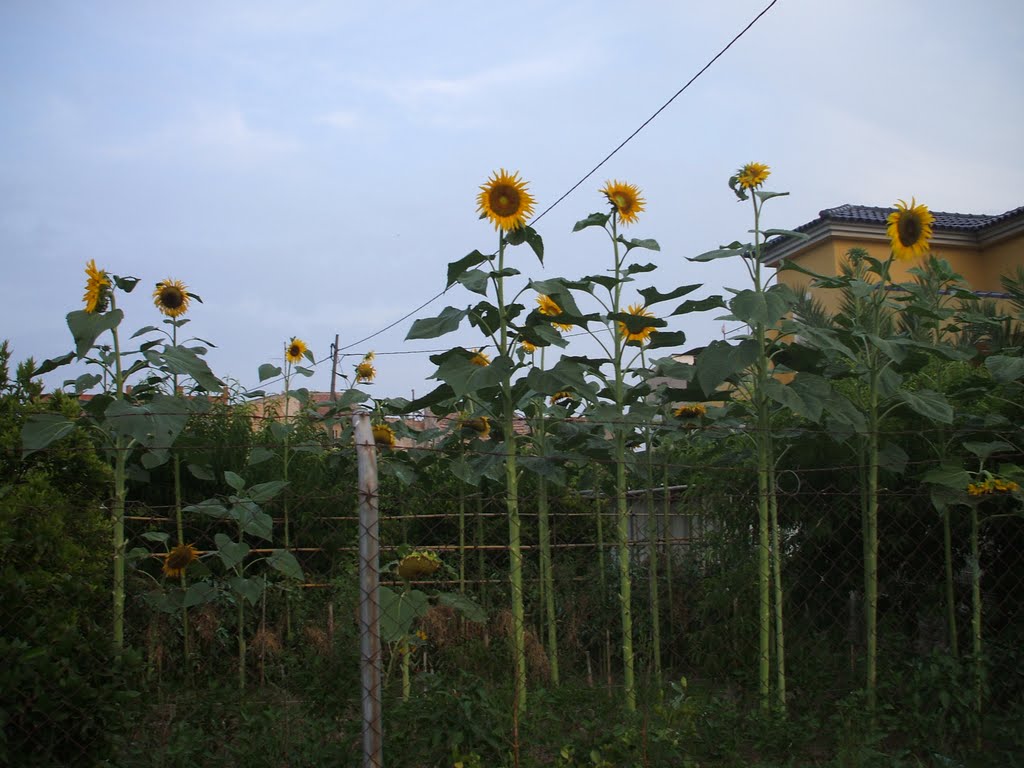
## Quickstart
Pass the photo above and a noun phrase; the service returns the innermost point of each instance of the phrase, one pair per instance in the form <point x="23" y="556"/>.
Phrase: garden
<point x="594" y="546"/>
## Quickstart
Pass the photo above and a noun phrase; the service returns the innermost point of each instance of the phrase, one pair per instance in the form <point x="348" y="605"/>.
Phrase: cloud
<point x="222" y="134"/>
<point x="340" y="118"/>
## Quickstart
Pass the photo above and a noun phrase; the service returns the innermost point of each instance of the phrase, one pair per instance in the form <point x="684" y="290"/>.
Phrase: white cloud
<point x="341" y="118"/>
<point x="222" y="134"/>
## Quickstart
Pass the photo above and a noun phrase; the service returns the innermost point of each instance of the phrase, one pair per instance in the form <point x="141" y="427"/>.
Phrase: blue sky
<point x="309" y="168"/>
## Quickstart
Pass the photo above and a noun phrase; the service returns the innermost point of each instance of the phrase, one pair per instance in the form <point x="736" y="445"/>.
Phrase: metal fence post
<point x="369" y="602"/>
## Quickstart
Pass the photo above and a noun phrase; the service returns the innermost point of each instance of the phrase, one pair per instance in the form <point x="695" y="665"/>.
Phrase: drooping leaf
<point x="235" y="480"/>
<point x="986" y="450"/>
<point x="264" y="492"/>
<point x="284" y="561"/>
<point x="198" y="593"/>
<point x="528" y="235"/>
<point x="653" y="296"/>
<point x="468" y="607"/>
<point x="398" y="611"/>
<point x="662" y="339"/>
<point x="86" y="327"/>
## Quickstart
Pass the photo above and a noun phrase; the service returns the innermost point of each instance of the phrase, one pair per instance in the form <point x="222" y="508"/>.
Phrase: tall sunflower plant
<point x="137" y="425"/>
<point x="489" y="377"/>
<point x="865" y="340"/>
<point x="615" y="384"/>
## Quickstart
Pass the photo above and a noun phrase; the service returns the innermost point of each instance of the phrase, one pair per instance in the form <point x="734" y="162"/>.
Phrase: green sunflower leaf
<point x="458" y="268"/>
<point x="432" y="327"/>
<point x="651" y="245"/>
<point x="284" y="561"/>
<point x="198" y="593"/>
<point x="269" y="371"/>
<point x="593" y="220"/>
<point x="527" y="235"/>
<point x="468" y="607"/>
<point x="734" y="248"/>
<point x="654" y="296"/>
<point x="250" y="589"/>
<point x="474" y="280"/>
<point x="661" y="339"/>
<point x="230" y="552"/>
<point x="86" y="327"/>
<point x="720" y="360"/>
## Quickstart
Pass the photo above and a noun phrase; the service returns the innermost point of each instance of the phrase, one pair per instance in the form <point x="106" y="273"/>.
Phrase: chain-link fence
<point x="241" y="649"/>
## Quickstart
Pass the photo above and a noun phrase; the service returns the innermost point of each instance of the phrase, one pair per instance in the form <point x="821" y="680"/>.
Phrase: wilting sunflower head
<point x="383" y="436"/>
<point x="752" y="175"/>
<point x="625" y="199"/>
<point x="178" y="559"/>
<point x="549" y="308"/>
<point x="480" y="358"/>
<point x="418" y="563"/>
<point x="365" y="371"/>
<point x="690" y="411"/>
<point x="97" y="288"/>
<point x="638" y="310"/>
<point x="528" y="348"/>
<point x="294" y="350"/>
<point x="171" y="298"/>
<point x="505" y="201"/>
<point x="910" y="230"/>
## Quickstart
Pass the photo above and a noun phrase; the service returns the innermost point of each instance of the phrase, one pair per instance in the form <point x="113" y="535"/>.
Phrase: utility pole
<point x="334" y="367"/>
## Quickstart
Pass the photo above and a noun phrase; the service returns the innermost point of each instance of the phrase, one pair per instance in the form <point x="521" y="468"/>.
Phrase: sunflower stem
<point x="121" y="446"/>
<point x="512" y="496"/>
<point x="622" y="507"/>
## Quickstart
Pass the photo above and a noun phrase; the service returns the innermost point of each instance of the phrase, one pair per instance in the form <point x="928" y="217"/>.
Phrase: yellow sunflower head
<point x="479" y="427"/>
<point x="549" y="308"/>
<point x="563" y="397"/>
<point x="505" y="201"/>
<point x="294" y="350"/>
<point x="637" y="310"/>
<point x="480" y="358"/>
<point x="418" y="563"/>
<point x="178" y="559"/>
<point x="752" y="175"/>
<point x="910" y="230"/>
<point x="97" y="288"/>
<point x="690" y="411"/>
<point x="625" y="198"/>
<point x="171" y="298"/>
<point x="383" y="436"/>
<point x="365" y="371"/>
<point x="528" y="348"/>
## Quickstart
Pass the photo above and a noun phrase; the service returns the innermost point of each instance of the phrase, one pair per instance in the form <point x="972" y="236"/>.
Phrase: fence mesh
<point x="242" y="658"/>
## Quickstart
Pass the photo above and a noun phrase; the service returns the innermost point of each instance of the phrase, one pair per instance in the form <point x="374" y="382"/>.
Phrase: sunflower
<point x="97" y="288"/>
<point x="528" y="348"/>
<point x="418" y="563"/>
<point x="171" y="298"/>
<point x="549" y="308"/>
<point x="480" y="427"/>
<point x="561" y="396"/>
<point x="505" y="201"/>
<point x="480" y="358"/>
<point x="625" y="198"/>
<point x="689" y="411"/>
<point x="383" y="436"/>
<point x="752" y="175"/>
<point x="294" y="350"/>
<point x="178" y="559"/>
<point x="637" y="310"/>
<point x="910" y="229"/>
<point x="992" y="485"/>
<point x="365" y="371"/>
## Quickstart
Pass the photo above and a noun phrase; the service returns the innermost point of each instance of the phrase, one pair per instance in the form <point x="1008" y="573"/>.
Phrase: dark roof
<point x="871" y="214"/>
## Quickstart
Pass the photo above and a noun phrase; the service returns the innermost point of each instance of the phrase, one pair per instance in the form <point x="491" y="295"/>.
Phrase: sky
<point x="309" y="168"/>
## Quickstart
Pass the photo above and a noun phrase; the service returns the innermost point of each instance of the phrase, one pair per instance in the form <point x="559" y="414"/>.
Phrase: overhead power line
<point x="575" y="186"/>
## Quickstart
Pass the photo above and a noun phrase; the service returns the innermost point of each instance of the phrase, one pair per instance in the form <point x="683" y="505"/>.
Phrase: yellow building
<point x="980" y="247"/>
